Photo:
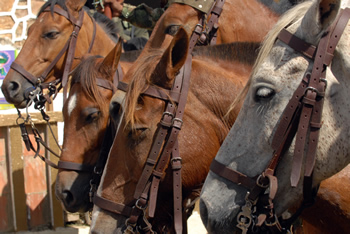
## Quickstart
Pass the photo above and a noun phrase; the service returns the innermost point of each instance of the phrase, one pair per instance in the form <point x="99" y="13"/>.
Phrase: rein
<point x="307" y="101"/>
<point x="164" y="149"/>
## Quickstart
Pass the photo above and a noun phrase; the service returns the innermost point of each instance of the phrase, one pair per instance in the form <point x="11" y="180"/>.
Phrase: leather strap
<point x="112" y="206"/>
<point x="75" y="166"/>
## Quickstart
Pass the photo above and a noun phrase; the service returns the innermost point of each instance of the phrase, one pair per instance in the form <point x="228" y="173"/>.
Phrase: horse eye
<point x="92" y="117"/>
<point x="172" y="29"/>
<point x="264" y="93"/>
<point x="138" y="134"/>
<point x="51" y="35"/>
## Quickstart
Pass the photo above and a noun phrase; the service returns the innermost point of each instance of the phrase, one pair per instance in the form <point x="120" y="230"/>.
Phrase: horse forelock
<point x="290" y="17"/>
<point x="52" y="3"/>
<point x="85" y="74"/>
<point x="141" y="73"/>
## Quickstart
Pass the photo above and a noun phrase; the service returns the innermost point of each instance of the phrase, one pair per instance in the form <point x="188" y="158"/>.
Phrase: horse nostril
<point x="13" y="86"/>
<point x="11" y="89"/>
<point x="68" y="198"/>
<point x="204" y="213"/>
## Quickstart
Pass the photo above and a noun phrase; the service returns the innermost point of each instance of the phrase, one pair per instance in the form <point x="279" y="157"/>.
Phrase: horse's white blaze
<point x="72" y="103"/>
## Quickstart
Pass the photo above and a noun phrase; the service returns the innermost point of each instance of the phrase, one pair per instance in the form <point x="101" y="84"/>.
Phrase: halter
<point x="164" y="149"/>
<point x="307" y="101"/>
<point x="69" y="47"/>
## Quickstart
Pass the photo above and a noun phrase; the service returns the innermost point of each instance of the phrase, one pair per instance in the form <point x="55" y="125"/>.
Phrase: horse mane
<point x="85" y="74"/>
<point x="108" y="26"/>
<point x="244" y="52"/>
<point x="144" y="69"/>
<point x="291" y="16"/>
<point x="52" y="3"/>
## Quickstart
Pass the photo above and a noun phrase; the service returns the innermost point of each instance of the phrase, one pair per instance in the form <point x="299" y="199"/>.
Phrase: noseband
<point x="307" y="101"/>
<point x="69" y="49"/>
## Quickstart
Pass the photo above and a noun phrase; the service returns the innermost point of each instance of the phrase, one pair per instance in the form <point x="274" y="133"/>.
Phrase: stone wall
<point x="15" y="18"/>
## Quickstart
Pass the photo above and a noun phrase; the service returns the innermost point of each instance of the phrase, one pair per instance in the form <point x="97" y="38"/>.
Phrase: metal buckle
<point x="313" y="90"/>
<point x="177" y="120"/>
<point x="325" y="81"/>
<point x="168" y="114"/>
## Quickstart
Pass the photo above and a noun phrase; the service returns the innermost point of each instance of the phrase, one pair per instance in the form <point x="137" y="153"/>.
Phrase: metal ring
<point x="260" y="184"/>
<point x="138" y="206"/>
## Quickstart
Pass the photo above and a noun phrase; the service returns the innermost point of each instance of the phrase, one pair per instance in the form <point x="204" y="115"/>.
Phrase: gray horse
<point x="248" y="147"/>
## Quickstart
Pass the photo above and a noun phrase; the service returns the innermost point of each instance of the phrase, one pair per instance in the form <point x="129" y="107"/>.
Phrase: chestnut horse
<point x="243" y="21"/>
<point x="86" y="115"/>
<point x="47" y="37"/>
<point x="215" y="82"/>
<point x="252" y="141"/>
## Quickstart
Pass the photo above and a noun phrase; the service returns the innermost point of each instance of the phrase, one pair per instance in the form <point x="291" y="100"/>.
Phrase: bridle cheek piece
<point x="307" y="101"/>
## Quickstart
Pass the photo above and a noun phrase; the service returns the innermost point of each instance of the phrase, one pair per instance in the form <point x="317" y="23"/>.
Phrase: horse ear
<point x="319" y="17"/>
<point x="111" y="61"/>
<point x="173" y="58"/>
<point x="75" y="6"/>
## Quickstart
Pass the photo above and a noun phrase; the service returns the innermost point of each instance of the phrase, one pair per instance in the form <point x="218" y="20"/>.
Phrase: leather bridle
<point x="69" y="49"/>
<point x="164" y="149"/>
<point x="66" y="165"/>
<point x="307" y="101"/>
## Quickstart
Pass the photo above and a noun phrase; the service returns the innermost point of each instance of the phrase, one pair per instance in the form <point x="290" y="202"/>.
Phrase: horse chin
<point x="220" y="204"/>
<point x="106" y="222"/>
<point x="21" y="105"/>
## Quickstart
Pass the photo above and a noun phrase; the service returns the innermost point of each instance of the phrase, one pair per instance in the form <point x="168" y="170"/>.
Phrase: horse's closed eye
<point x="51" y="35"/>
<point x="92" y="117"/>
<point x="264" y="94"/>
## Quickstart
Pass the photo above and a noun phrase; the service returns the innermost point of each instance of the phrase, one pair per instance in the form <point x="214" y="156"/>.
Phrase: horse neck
<point x="222" y="83"/>
<point x="248" y="20"/>
<point x="103" y="44"/>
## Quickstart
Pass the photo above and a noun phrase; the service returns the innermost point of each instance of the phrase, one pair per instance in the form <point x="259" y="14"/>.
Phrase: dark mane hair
<point x="106" y="24"/>
<point x="52" y="3"/>
<point x="244" y="52"/>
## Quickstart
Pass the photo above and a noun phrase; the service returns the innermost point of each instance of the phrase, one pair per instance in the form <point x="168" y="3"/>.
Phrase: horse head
<point x="86" y="117"/>
<point x="144" y="114"/>
<point x="255" y="142"/>
<point x="62" y="33"/>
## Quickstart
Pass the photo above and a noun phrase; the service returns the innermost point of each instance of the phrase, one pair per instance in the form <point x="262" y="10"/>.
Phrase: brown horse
<point x="214" y="84"/>
<point x="86" y="117"/>
<point x="331" y="211"/>
<point x="248" y="20"/>
<point x="47" y="36"/>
